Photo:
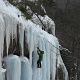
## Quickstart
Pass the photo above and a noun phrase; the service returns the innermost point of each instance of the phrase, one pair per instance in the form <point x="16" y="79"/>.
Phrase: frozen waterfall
<point x="21" y="68"/>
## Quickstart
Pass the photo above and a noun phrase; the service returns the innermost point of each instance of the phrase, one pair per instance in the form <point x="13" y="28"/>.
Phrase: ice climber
<point x="40" y="53"/>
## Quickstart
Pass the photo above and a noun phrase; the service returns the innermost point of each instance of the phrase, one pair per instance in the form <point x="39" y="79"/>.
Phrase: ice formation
<point x="35" y="37"/>
<point x="13" y="66"/>
<point x="0" y="69"/>
<point x="3" y="73"/>
<point x="26" y="73"/>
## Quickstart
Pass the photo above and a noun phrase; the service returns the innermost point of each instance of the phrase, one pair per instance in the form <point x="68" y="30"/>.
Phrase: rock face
<point x="19" y="30"/>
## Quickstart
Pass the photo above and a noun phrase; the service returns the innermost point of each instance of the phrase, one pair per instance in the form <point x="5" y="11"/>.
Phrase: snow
<point x="35" y="37"/>
<point x="48" y="23"/>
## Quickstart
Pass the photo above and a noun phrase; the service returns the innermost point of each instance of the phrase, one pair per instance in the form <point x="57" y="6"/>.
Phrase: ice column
<point x="13" y="67"/>
<point x="7" y="29"/>
<point x="31" y="44"/>
<point x="26" y="70"/>
<point x="42" y="47"/>
<point x="53" y="60"/>
<point x="21" y="37"/>
<point x="35" y="57"/>
<point x="47" y="45"/>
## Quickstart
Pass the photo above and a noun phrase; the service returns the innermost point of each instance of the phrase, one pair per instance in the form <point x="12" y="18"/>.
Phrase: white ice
<point x="13" y="67"/>
<point x="26" y="73"/>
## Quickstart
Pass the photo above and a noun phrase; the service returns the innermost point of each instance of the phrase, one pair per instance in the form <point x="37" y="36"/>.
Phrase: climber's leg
<point x="38" y="64"/>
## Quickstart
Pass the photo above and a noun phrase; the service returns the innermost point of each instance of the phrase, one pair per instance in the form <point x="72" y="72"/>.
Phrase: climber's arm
<point x="38" y="51"/>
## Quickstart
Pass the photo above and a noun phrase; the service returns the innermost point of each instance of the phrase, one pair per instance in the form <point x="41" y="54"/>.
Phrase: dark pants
<point x="39" y="64"/>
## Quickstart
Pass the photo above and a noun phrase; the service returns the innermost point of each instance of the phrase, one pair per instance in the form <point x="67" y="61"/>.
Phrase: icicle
<point x="8" y="25"/>
<point x="1" y="42"/>
<point x="15" y="23"/>
<point x="30" y="40"/>
<point x="2" y="28"/>
<point x="21" y="34"/>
